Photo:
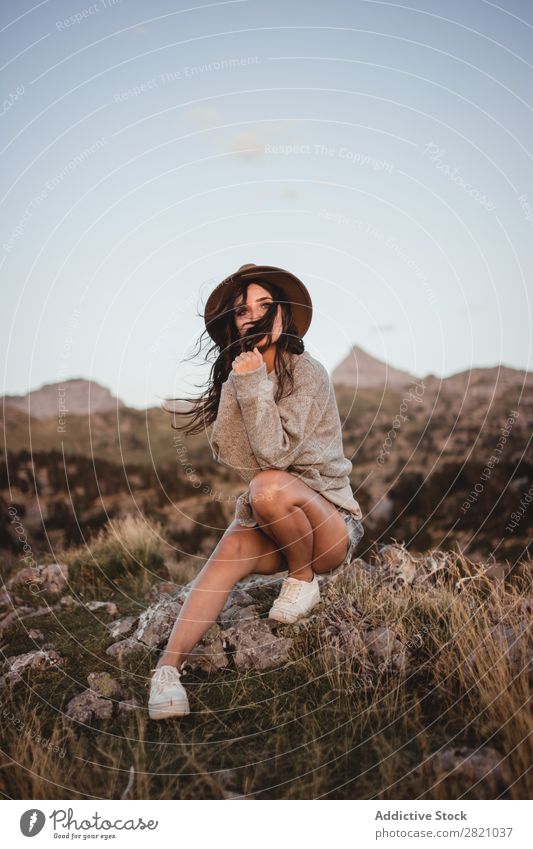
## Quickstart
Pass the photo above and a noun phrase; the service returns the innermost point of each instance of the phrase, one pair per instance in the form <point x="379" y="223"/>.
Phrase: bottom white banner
<point x="312" y="823"/>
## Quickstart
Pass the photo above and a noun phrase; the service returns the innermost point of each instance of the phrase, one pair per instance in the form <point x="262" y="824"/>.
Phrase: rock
<point x="234" y="614"/>
<point x="46" y="581"/>
<point x="68" y="602"/>
<point x="164" y="588"/>
<point x="470" y="766"/>
<point x="255" y="646"/>
<point x="122" y="627"/>
<point x="394" y="567"/>
<point x="104" y="685"/>
<point x="88" y="706"/>
<point x="156" y="623"/>
<point x="385" y="650"/>
<point x="344" y="645"/>
<point x="12" y="617"/>
<point x="110" y="606"/>
<point x="5" y="598"/>
<point x="35" y="634"/>
<point x="126" y="650"/>
<point x="37" y="662"/>
<point x="207" y="658"/>
<point x="127" y="707"/>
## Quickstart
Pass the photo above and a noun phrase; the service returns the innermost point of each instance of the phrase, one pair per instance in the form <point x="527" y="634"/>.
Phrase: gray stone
<point x="255" y="646"/>
<point x="88" y="706"/>
<point x="394" y="567"/>
<point x="49" y="580"/>
<point x="109" y="606"/>
<point x="127" y="707"/>
<point x="36" y="662"/>
<point x="207" y="658"/>
<point x="156" y="623"/>
<point x="122" y="627"/>
<point x="234" y="614"/>
<point x="106" y="686"/>
<point x="126" y="650"/>
<point x="385" y="650"/>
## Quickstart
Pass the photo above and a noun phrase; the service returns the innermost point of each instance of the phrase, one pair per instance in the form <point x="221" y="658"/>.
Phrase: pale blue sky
<point x="380" y="151"/>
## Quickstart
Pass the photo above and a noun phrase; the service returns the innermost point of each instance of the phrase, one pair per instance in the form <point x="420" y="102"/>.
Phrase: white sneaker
<point x="167" y="694"/>
<point x="295" y="599"/>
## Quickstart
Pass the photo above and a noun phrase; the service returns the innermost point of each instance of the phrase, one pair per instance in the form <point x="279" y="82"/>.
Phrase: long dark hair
<point x="205" y="408"/>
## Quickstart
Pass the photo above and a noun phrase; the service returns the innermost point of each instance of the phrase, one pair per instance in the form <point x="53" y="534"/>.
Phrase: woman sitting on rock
<point x="276" y="423"/>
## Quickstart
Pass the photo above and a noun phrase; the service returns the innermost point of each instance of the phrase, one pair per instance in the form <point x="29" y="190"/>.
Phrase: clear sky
<point x="381" y="151"/>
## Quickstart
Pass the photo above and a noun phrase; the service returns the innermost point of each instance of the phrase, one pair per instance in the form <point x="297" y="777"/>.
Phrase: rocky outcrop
<point x="34" y="662"/>
<point x="45" y="581"/>
<point x="105" y="698"/>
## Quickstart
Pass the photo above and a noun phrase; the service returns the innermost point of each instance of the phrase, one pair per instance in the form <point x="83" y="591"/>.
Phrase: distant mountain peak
<point x="359" y="368"/>
<point x="55" y="400"/>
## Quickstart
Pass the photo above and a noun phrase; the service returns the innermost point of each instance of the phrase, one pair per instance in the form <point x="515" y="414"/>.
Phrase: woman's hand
<point x="247" y="361"/>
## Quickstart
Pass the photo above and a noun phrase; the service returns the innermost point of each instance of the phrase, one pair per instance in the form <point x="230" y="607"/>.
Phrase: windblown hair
<point x="204" y="409"/>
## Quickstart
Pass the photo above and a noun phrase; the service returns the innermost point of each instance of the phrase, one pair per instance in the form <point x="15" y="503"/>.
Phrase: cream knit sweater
<point x="301" y="434"/>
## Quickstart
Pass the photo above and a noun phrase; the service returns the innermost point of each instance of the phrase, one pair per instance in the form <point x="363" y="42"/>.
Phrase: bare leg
<point x="239" y="552"/>
<point x="307" y="527"/>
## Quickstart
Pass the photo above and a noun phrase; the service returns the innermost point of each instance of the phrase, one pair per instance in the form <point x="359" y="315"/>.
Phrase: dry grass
<point x="320" y="726"/>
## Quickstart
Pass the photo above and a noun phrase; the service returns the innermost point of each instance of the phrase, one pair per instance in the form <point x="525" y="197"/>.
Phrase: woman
<point x="277" y="423"/>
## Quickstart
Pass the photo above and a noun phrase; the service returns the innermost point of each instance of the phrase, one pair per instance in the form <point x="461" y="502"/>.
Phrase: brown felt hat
<point x="293" y="288"/>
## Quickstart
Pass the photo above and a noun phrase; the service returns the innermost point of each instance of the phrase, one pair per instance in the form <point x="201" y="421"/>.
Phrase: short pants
<point x="355" y="531"/>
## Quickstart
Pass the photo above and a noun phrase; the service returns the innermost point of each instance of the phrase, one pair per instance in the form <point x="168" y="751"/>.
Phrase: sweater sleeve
<point x="277" y="434"/>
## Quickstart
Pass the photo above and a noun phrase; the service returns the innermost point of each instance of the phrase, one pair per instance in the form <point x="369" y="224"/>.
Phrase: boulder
<point x="394" y="567"/>
<point x="122" y="627"/>
<point x="89" y="706"/>
<point x="207" y="657"/>
<point x="126" y="650"/>
<point x="385" y="651"/>
<point x="37" y="662"/>
<point x="255" y="646"/>
<point x="125" y="708"/>
<point x="156" y="623"/>
<point x="47" y="581"/>
<point x="104" y="685"/>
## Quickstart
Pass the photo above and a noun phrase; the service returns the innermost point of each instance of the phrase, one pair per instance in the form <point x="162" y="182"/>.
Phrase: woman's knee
<point x="235" y="552"/>
<point x="269" y="492"/>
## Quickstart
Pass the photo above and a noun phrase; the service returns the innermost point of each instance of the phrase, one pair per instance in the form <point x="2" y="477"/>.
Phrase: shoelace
<point x="164" y="675"/>
<point x="290" y="591"/>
